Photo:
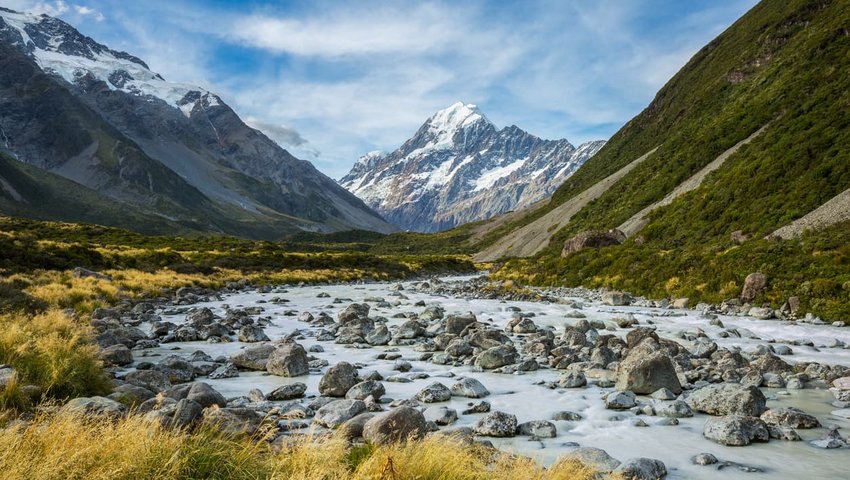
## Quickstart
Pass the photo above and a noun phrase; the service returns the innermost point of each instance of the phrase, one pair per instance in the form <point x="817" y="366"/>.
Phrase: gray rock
<point x="118" y="355"/>
<point x="537" y="428"/>
<point x="397" y="425"/>
<point x="436" y="392"/>
<point x="704" y="459"/>
<point x="354" y="428"/>
<point x="736" y="430"/>
<point x="227" y="370"/>
<point x="205" y="395"/>
<point x="673" y="409"/>
<point x="186" y="413"/>
<point x="496" y="424"/>
<point x="200" y="317"/>
<point x="233" y="421"/>
<point x="646" y="369"/>
<point x="369" y="388"/>
<point x="620" y="400"/>
<point x="287" y="392"/>
<point x="455" y="324"/>
<point x="496" y="357"/>
<point x="663" y="394"/>
<point x="469" y="388"/>
<point x="783" y="433"/>
<point x="616" y="299"/>
<point x="641" y="469"/>
<point x="754" y="284"/>
<point x="96" y="406"/>
<point x="567" y="416"/>
<point x="596" y="458"/>
<point x="288" y="360"/>
<point x="789" y="417"/>
<point x="253" y="358"/>
<point x="338" y="380"/>
<point x="572" y="379"/>
<point x="728" y="399"/>
<point x="252" y="334"/>
<point x="338" y="412"/>
<point x="379" y="336"/>
<point x="353" y="311"/>
<point x="152" y="380"/>
<point x="833" y="439"/>
<point x="440" y="415"/>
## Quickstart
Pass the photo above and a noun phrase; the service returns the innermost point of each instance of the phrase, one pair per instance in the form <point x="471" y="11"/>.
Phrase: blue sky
<point x="332" y="80"/>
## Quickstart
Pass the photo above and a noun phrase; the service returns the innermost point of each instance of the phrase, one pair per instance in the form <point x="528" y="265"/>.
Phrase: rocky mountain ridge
<point x="459" y="167"/>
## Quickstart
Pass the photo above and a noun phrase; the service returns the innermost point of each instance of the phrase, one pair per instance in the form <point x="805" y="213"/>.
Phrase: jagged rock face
<point x="459" y="168"/>
<point x="103" y="119"/>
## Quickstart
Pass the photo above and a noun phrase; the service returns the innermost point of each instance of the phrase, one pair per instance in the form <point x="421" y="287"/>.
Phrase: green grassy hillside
<point x="785" y="63"/>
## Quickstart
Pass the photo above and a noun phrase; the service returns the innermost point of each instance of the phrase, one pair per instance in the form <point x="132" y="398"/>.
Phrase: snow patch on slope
<point x="489" y="177"/>
<point x="118" y="73"/>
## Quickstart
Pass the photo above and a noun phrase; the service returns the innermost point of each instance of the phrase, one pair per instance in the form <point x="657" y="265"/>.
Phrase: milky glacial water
<point x="518" y="393"/>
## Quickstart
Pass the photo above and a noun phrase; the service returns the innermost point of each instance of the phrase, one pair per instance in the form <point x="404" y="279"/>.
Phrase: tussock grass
<point x="54" y="358"/>
<point x="68" y="446"/>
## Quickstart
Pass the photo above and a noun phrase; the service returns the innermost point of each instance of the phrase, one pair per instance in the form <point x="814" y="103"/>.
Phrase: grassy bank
<point x="66" y="446"/>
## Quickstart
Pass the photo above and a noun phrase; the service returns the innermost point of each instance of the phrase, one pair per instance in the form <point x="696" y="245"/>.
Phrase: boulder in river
<point x="496" y="357"/>
<point x="470" y="388"/>
<point x="398" y="425"/>
<point x="736" y="430"/>
<point x="254" y="357"/>
<point x="728" y="399"/>
<point x="288" y="360"/>
<point x="789" y="417"/>
<point x="496" y="424"/>
<point x="337" y="412"/>
<point x="436" y="392"/>
<point x="338" y="380"/>
<point x="647" y="369"/>
<point x="641" y="469"/>
<point x="537" y="428"/>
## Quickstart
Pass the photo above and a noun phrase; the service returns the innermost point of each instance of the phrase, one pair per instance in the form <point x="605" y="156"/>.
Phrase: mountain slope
<point x="459" y="168"/>
<point x="101" y="118"/>
<point x="781" y="67"/>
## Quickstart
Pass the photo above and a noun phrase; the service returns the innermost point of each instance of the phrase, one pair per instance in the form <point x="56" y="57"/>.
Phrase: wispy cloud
<point x="350" y="78"/>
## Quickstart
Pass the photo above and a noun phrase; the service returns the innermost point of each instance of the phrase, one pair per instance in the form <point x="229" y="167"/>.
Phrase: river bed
<point x="524" y="396"/>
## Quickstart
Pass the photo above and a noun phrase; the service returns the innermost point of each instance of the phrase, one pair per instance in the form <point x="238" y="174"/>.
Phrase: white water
<point x="517" y="394"/>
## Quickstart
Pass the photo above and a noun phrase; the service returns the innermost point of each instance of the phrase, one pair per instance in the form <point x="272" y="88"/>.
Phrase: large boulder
<point x="470" y="388"/>
<point x="252" y="334"/>
<point x="496" y="424"/>
<point x="496" y="357"/>
<point x="288" y="360"/>
<point x="96" y="406"/>
<point x="205" y="395"/>
<point x="455" y="324"/>
<point x="616" y="299"/>
<point x="736" y="430"/>
<point x="789" y="417"/>
<point x="152" y="380"/>
<point x="595" y="458"/>
<point x="253" y="358"/>
<point x="397" y="425"/>
<point x="363" y="390"/>
<point x="728" y="399"/>
<point x="337" y="412"/>
<point x="287" y="392"/>
<point x="353" y="312"/>
<point x="537" y="428"/>
<point x="118" y="355"/>
<point x="233" y="420"/>
<point x="641" y="469"/>
<point x="338" y="380"/>
<point x="592" y="239"/>
<point x="436" y="392"/>
<point x="754" y="284"/>
<point x="646" y="369"/>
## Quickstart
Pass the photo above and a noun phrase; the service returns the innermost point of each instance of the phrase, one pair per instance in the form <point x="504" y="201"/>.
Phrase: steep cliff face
<point x="103" y="119"/>
<point x="459" y="168"/>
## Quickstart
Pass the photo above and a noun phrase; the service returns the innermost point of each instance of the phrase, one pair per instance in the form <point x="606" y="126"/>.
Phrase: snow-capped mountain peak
<point x="458" y="168"/>
<point x="59" y="48"/>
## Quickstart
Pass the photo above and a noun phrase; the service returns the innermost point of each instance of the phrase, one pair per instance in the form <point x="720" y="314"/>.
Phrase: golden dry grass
<point x="69" y="447"/>
<point x="53" y="355"/>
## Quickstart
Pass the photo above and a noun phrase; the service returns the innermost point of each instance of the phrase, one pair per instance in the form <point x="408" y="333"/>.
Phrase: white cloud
<point x="358" y="77"/>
